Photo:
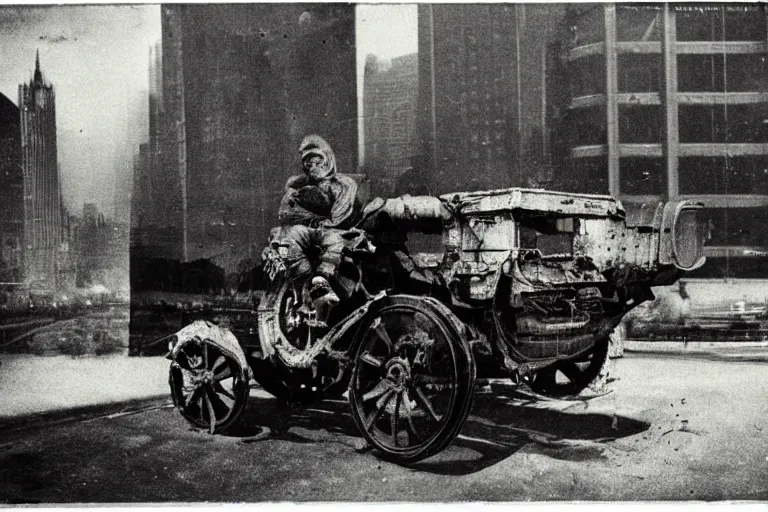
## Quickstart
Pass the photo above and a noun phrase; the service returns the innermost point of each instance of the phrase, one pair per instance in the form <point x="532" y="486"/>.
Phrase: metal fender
<point x="204" y="332"/>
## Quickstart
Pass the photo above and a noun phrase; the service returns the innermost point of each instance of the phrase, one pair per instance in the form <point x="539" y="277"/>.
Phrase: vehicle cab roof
<point x="534" y="200"/>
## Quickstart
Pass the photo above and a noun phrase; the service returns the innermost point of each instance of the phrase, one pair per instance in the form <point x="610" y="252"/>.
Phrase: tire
<point x="412" y="364"/>
<point x="285" y="384"/>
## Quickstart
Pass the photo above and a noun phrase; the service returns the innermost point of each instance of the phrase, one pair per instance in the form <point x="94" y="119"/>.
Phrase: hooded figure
<point x="320" y="197"/>
<point x="317" y="206"/>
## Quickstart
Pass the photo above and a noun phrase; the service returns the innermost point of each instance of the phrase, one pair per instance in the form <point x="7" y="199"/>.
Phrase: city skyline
<point x="96" y="58"/>
<point x="97" y="143"/>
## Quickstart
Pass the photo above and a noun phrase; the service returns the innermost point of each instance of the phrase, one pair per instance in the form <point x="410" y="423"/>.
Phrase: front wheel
<point x="209" y="388"/>
<point x="413" y="377"/>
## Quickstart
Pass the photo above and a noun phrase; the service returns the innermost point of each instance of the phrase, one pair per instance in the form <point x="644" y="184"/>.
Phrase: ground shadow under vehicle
<point x="498" y="426"/>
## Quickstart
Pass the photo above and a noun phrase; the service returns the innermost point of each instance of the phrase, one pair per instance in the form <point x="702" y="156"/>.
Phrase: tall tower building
<point x="389" y="118"/>
<point x="42" y="193"/>
<point x="482" y="102"/>
<point x="468" y="80"/>
<point x="156" y="208"/>
<point x="242" y="84"/>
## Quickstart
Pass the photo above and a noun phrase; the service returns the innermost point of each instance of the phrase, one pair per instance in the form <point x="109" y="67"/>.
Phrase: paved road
<point x="31" y="385"/>
<point x="672" y="429"/>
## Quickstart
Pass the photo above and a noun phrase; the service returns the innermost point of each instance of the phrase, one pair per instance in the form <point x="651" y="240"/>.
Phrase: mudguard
<point x="202" y="331"/>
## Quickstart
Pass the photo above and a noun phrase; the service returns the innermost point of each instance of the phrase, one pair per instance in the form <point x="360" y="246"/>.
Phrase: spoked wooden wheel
<point x="571" y="377"/>
<point x="287" y="384"/>
<point x="209" y="388"/>
<point x="412" y="382"/>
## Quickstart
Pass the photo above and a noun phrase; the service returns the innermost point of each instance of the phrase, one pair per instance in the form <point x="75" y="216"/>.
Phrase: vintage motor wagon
<point x="529" y="284"/>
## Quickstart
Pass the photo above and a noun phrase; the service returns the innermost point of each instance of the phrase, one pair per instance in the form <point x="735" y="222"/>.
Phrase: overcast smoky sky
<point x="97" y="58"/>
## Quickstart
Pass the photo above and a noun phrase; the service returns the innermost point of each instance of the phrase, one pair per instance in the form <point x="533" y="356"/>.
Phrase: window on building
<point x="745" y="23"/>
<point x="722" y="73"/>
<point x="739" y="227"/>
<point x="585" y="175"/>
<point x="746" y="72"/>
<point x="701" y="123"/>
<point x="747" y="123"/>
<point x="721" y="175"/>
<point x="716" y="22"/>
<point x="642" y="176"/>
<point x="638" y="22"/>
<point x="718" y="123"/>
<point x="700" y="73"/>
<point x="588" y="76"/>
<point x="641" y="124"/>
<point x="639" y="73"/>
<point x="704" y="24"/>
<point x="587" y="127"/>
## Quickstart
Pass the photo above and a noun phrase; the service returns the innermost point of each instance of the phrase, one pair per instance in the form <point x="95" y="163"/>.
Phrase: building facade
<point x="42" y="193"/>
<point x="390" y="93"/>
<point x="102" y="251"/>
<point x="645" y="102"/>
<point x="11" y="194"/>
<point x="482" y="112"/>
<point x="468" y="107"/>
<point x="240" y="86"/>
<point x="156" y="225"/>
<point x="671" y="102"/>
<point x="140" y="191"/>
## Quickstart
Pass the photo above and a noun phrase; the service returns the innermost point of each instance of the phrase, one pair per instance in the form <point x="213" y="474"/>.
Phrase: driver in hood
<point x="318" y="206"/>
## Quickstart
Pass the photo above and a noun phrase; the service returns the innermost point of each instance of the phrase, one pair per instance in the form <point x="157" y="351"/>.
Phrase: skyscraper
<point x="156" y="199"/>
<point x="242" y="85"/>
<point x="42" y="192"/>
<point x="389" y="118"/>
<point x="11" y="194"/>
<point x="481" y="115"/>
<point x="468" y="80"/>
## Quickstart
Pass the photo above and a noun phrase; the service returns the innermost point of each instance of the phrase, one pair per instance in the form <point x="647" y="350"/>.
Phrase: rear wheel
<point x="567" y="378"/>
<point x="287" y="384"/>
<point x="208" y="387"/>
<point x="412" y="381"/>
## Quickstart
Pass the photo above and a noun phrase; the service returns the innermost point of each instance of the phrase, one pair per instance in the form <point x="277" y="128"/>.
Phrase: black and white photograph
<point x="383" y="253"/>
